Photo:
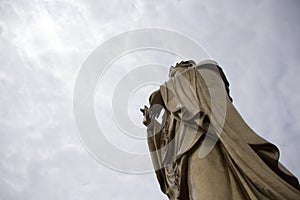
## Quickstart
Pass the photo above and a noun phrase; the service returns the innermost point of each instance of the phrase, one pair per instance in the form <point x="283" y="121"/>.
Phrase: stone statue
<point x="200" y="146"/>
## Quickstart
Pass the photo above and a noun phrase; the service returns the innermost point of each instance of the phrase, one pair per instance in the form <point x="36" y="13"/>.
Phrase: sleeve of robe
<point x="188" y="97"/>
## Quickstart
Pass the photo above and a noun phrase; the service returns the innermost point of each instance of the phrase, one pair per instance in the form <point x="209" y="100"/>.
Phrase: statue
<point x="202" y="148"/>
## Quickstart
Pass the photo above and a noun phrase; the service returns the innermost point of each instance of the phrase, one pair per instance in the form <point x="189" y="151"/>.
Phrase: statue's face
<point x="180" y="67"/>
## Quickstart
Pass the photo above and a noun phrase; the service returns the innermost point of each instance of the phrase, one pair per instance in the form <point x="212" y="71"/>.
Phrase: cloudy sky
<point x="43" y="45"/>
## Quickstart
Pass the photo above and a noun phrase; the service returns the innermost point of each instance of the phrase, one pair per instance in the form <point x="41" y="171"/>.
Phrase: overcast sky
<point x="44" y="43"/>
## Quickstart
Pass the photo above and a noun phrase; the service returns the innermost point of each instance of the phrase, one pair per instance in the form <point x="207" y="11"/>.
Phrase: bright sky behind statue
<point x="44" y="43"/>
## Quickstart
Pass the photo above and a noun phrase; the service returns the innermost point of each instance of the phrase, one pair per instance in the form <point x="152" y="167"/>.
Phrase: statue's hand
<point x="147" y="119"/>
<point x="144" y="110"/>
<point x="151" y="113"/>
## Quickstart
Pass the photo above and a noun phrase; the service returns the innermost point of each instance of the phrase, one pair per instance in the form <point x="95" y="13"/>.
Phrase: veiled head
<point x="180" y="67"/>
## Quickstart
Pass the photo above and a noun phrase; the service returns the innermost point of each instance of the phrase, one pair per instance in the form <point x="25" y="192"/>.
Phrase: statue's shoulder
<point x="214" y="66"/>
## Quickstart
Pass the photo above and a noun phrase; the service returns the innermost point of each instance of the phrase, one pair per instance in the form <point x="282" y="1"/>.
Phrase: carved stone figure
<point x="201" y="148"/>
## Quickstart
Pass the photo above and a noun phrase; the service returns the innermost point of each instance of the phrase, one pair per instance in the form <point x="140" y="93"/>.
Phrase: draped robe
<point x="238" y="163"/>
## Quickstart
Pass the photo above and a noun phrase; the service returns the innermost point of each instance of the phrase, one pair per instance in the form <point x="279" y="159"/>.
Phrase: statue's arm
<point x="156" y="98"/>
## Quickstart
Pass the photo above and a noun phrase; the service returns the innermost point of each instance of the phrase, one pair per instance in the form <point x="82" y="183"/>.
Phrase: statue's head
<point x="180" y="67"/>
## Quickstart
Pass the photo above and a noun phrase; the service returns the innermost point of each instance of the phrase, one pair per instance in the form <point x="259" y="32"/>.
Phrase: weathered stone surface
<point x="203" y="149"/>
